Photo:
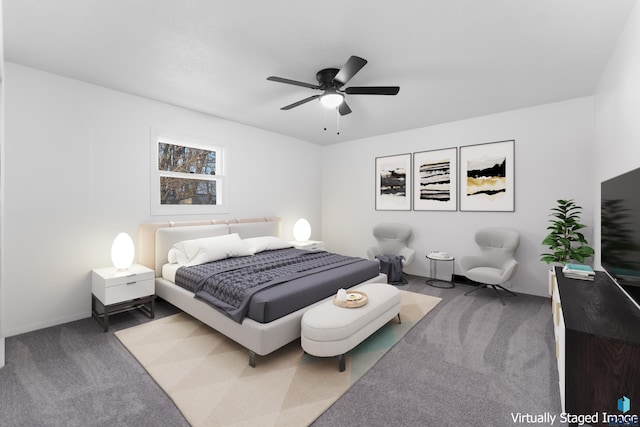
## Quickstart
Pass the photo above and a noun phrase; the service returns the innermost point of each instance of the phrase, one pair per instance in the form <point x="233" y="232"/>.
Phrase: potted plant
<point x="565" y="240"/>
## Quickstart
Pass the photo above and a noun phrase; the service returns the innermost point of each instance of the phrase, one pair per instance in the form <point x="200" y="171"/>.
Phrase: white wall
<point x="553" y="146"/>
<point x="77" y="173"/>
<point x="1" y="184"/>
<point x="617" y="109"/>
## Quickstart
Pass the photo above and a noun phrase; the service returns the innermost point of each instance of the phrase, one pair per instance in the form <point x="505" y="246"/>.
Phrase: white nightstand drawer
<point x="126" y="279"/>
<point x="109" y="276"/>
<point x="126" y="292"/>
<point x="310" y="245"/>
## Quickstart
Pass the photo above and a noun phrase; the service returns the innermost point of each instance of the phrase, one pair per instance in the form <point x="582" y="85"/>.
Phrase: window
<point x="187" y="177"/>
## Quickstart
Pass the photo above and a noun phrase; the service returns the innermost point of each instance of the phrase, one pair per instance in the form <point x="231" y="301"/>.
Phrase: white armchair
<point x="496" y="264"/>
<point x="392" y="240"/>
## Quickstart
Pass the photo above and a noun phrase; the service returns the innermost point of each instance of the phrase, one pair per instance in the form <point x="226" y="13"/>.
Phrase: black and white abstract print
<point x="393" y="182"/>
<point x="435" y="180"/>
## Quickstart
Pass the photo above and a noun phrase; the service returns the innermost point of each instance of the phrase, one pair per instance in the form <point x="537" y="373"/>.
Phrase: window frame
<point x="157" y="208"/>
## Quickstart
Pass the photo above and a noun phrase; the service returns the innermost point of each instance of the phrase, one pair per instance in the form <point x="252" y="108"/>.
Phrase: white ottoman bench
<point x="329" y="330"/>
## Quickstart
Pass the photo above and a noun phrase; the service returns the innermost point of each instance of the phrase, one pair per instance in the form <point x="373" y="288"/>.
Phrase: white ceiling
<point x="453" y="59"/>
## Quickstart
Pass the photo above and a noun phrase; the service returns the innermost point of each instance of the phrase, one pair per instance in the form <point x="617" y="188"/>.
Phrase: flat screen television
<point x="620" y="231"/>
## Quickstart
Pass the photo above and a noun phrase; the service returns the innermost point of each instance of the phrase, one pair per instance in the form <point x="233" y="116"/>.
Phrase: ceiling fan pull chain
<point x="337" y="122"/>
<point x="324" y="119"/>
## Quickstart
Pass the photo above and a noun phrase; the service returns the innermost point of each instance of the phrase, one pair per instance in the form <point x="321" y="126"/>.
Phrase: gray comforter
<point x="229" y="284"/>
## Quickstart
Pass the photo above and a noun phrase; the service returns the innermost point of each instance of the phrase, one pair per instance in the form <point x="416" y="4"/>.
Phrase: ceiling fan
<point x="331" y="80"/>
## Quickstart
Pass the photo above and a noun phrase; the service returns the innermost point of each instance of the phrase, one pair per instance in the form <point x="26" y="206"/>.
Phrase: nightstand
<point x="309" y="245"/>
<point x="118" y="291"/>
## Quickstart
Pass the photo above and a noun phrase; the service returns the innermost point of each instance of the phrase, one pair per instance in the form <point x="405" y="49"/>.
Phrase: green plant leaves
<point x="564" y="240"/>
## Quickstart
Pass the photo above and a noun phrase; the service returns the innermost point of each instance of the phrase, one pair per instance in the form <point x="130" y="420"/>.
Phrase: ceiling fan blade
<point x="349" y="69"/>
<point x="344" y="109"/>
<point x="292" y="82"/>
<point x="373" y="90"/>
<point x="295" y="104"/>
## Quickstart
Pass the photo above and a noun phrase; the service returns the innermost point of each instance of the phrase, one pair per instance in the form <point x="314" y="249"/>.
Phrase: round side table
<point x="434" y="257"/>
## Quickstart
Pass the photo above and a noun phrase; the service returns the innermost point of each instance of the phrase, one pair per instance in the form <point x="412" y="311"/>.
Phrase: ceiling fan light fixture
<point x="331" y="99"/>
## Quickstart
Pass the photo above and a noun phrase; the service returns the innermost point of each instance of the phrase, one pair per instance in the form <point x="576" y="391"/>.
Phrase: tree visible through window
<point x="187" y="174"/>
<point x="186" y="190"/>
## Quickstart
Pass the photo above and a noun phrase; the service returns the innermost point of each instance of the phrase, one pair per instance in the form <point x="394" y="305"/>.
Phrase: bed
<point x="261" y="336"/>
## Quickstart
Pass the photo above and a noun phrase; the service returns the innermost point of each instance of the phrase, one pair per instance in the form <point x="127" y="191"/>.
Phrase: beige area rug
<point x="208" y="377"/>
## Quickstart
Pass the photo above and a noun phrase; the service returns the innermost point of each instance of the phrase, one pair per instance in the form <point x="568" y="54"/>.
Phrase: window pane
<point x="181" y="191"/>
<point x="177" y="158"/>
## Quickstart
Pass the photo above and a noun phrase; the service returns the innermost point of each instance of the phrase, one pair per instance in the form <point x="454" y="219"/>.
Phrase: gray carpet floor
<point x="76" y="375"/>
<point x="470" y="362"/>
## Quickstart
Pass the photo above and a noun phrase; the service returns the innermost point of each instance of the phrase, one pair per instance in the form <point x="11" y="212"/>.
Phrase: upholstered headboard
<point x="155" y="239"/>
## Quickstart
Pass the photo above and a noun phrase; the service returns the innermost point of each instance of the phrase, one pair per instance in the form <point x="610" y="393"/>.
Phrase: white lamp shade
<point x="122" y="251"/>
<point x="302" y="230"/>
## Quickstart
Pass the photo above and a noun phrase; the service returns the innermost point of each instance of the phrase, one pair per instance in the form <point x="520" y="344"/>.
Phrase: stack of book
<point x="578" y="271"/>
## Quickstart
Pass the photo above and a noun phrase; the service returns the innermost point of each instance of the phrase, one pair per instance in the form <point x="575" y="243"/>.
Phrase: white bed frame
<point x="156" y="239"/>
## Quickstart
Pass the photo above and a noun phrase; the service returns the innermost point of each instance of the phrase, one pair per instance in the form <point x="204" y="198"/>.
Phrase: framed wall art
<point x="487" y="177"/>
<point x="393" y="186"/>
<point x="435" y="180"/>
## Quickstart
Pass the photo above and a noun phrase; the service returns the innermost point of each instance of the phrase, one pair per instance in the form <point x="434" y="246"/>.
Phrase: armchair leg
<point x="507" y="291"/>
<point x="476" y="288"/>
<point x="498" y="293"/>
<point x="494" y="287"/>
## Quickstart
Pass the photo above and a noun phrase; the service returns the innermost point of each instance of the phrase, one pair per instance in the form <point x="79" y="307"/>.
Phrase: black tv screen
<point x="620" y="231"/>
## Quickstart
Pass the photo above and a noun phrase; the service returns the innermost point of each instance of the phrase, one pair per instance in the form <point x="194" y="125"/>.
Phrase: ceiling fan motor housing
<point x="325" y="78"/>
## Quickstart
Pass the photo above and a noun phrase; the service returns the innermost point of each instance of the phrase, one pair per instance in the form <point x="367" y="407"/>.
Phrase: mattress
<point x="169" y="272"/>
<point x="280" y="300"/>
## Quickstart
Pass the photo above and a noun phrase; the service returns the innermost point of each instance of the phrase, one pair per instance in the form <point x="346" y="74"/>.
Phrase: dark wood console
<point x="601" y="349"/>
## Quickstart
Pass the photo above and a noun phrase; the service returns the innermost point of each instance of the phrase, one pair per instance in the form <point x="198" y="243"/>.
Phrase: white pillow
<point x="207" y="249"/>
<point x="265" y="243"/>
<point x="173" y="255"/>
<point x="178" y="253"/>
